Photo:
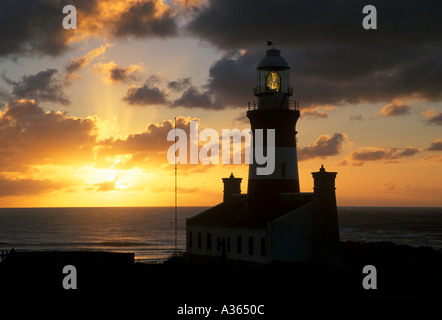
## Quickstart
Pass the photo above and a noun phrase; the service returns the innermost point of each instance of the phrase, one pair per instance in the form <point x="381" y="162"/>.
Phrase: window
<point x="199" y="240"/>
<point x="263" y="247"/>
<point x="209" y="241"/>
<point x="218" y="244"/>
<point x="284" y="170"/>
<point x="190" y="240"/>
<point x="228" y="245"/>
<point x="251" y="246"/>
<point x="238" y="245"/>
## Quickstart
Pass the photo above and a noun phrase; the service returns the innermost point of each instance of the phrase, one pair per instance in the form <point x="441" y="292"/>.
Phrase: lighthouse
<point x="274" y="221"/>
<point x="275" y="111"/>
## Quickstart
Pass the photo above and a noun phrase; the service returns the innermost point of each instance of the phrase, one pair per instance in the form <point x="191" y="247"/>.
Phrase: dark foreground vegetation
<point x="401" y="271"/>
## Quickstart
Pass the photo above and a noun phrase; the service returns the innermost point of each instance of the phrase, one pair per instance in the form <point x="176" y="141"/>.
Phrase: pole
<point x="176" y="199"/>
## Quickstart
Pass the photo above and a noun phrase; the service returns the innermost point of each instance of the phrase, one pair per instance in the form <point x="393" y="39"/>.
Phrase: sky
<point x="85" y="112"/>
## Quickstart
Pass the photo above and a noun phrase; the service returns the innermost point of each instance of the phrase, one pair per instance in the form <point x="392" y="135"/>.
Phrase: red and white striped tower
<point x="273" y="110"/>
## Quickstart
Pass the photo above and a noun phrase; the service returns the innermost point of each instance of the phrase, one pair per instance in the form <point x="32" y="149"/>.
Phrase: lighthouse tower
<point x="273" y="110"/>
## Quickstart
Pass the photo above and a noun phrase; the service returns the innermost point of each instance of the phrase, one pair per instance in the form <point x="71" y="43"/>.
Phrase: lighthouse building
<point x="274" y="221"/>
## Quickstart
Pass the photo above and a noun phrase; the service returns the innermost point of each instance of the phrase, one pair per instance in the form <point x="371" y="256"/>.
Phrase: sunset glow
<point x="84" y="114"/>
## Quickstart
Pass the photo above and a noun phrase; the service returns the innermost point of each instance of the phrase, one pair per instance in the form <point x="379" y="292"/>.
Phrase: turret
<point x="325" y="246"/>
<point x="232" y="188"/>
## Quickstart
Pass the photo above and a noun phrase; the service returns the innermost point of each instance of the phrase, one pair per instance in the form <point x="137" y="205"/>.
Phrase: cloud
<point x="388" y="185"/>
<point x="150" y="148"/>
<point x="114" y="73"/>
<point x="432" y="117"/>
<point x="107" y="185"/>
<point x="180" y="84"/>
<point x="331" y="55"/>
<point x="83" y="61"/>
<point x="436" y="145"/>
<point x="42" y="87"/>
<point x="36" y="28"/>
<point x="393" y="109"/>
<point x="314" y="114"/>
<point x="323" y="147"/>
<point x="347" y="163"/>
<point x="144" y="148"/>
<point x="145" y="95"/>
<point x="145" y="18"/>
<point x="15" y="187"/>
<point x="231" y="78"/>
<point x="32" y="28"/>
<point x="432" y="157"/>
<point x="77" y="64"/>
<point x="374" y="154"/>
<point x="192" y="98"/>
<point x="30" y="136"/>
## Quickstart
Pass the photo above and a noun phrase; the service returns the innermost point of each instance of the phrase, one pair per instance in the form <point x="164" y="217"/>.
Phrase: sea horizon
<point x="149" y="231"/>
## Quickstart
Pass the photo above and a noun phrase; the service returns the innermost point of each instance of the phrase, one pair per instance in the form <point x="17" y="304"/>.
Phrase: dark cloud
<point x="143" y="19"/>
<point x="42" y="86"/>
<point x="436" y="145"/>
<point x="333" y="59"/>
<point x="323" y="147"/>
<point x="192" y="98"/>
<point x="180" y="84"/>
<point x="383" y="154"/>
<point x="145" y="95"/>
<point x="114" y="73"/>
<point x="4" y="96"/>
<point x="433" y="118"/>
<point x="32" y="27"/>
<point x="231" y="24"/>
<point x="35" y="27"/>
<point x="120" y="74"/>
<point x="408" y="152"/>
<point x="232" y="79"/>
<point x="393" y="109"/>
<point x="77" y="64"/>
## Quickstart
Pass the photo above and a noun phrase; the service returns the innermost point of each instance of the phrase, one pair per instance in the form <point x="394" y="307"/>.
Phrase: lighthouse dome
<point x="273" y="59"/>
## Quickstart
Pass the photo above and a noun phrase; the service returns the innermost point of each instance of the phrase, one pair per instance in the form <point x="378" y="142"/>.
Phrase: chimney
<point x="232" y="188"/>
<point x="325" y="244"/>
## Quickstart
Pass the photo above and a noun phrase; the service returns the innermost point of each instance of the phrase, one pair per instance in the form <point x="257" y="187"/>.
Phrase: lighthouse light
<point x="273" y="81"/>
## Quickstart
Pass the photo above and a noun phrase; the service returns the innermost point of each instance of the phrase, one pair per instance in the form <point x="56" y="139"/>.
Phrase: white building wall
<point x="224" y="233"/>
<point x="290" y="236"/>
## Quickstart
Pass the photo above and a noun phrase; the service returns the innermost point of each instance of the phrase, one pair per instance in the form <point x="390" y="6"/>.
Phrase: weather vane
<point x="271" y="43"/>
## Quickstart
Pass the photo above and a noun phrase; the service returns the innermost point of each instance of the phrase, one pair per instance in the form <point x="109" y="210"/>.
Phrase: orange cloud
<point x="145" y="149"/>
<point x="85" y="60"/>
<point x="122" y="19"/>
<point x="113" y="73"/>
<point x="432" y="117"/>
<point x="30" y="136"/>
<point x="323" y="147"/>
<point x="387" y="154"/>
<point x="393" y="109"/>
<point x="26" y="187"/>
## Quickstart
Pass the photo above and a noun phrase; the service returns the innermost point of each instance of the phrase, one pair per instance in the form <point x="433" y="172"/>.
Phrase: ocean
<point x="149" y="232"/>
